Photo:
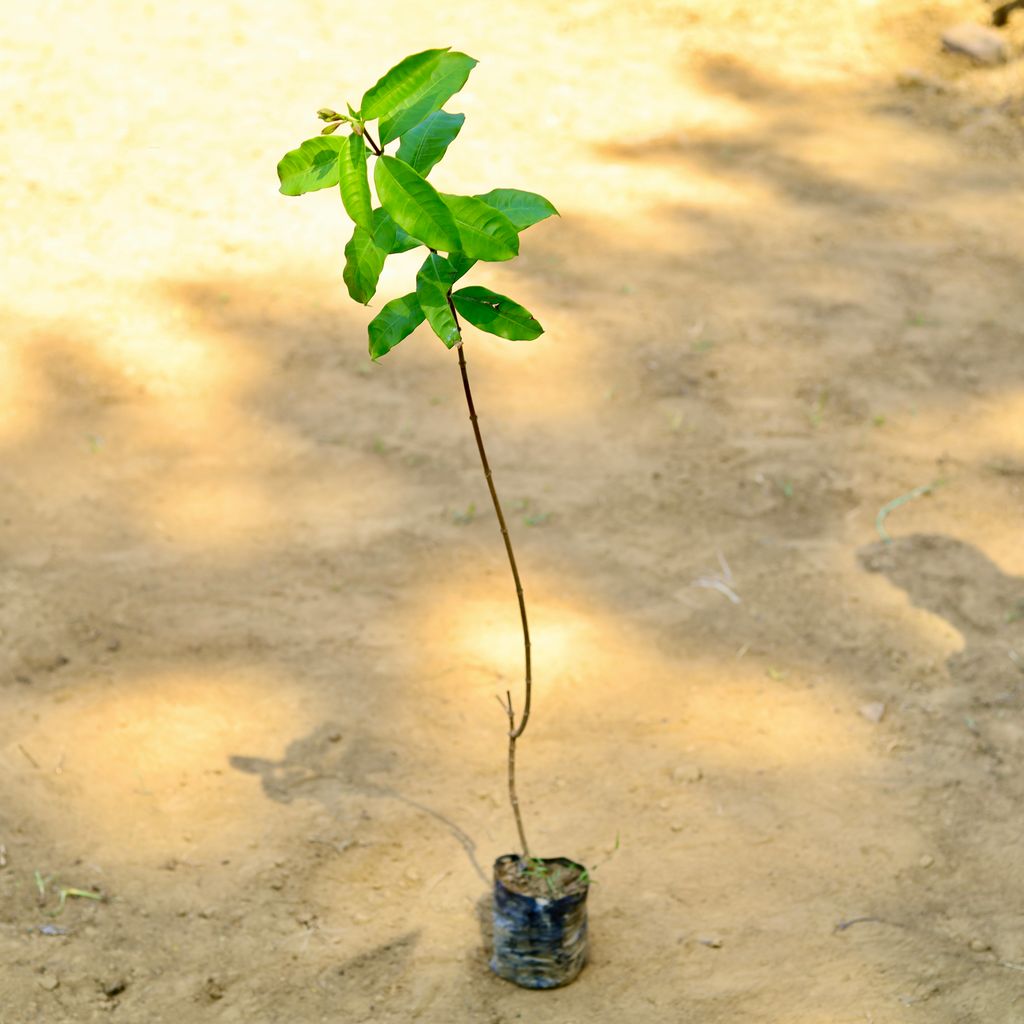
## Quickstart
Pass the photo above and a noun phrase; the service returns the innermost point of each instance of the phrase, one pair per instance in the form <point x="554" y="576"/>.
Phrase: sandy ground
<point x="254" y="607"/>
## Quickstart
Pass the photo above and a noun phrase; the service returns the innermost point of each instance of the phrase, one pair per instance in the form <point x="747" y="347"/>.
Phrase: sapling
<point x="456" y="231"/>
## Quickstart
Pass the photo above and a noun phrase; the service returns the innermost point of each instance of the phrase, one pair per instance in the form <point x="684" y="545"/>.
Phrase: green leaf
<point x="486" y="234"/>
<point x="434" y="279"/>
<point x="314" y="165"/>
<point x="414" y="205"/>
<point x="460" y="263"/>
<point x="496" y="314"/>
<point x="403" y="241"/>
<point x="355" y="185"/>
<point x="365" y="255"/>
<point x="425" y="144"/>
<point x="446" y="79"/>
<point x="394" y="323"/>
<point x="522" y="208"/>
<point x="405" y="79"/>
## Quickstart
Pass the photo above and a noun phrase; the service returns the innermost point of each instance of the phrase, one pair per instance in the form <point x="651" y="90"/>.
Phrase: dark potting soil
<point x="537" y="877"/>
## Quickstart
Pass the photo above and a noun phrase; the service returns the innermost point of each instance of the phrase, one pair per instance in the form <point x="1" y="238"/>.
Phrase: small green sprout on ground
<point x="64" y="892"/>
<point x="405" y="107"/>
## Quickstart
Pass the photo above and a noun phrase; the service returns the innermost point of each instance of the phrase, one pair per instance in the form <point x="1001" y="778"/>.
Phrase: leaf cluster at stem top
<point x="406" y="104"/>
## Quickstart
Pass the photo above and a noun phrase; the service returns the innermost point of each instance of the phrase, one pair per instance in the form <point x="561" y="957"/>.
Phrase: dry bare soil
<point x="254" y="607"/>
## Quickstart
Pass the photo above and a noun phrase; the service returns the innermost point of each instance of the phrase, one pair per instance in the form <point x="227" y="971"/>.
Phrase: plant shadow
<point x="325" y="766"/>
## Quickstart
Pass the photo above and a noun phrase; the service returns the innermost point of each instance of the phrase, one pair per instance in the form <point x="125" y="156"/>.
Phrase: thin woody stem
<point x="512" y="796"/>
<point x="514" y="731"/>
<point x="373" y="145"/>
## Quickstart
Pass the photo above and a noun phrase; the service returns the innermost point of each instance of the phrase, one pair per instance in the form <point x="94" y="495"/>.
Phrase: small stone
<point x="915" y="78"/>
<point x="978" y="42"/>
<point x="980" y="945"/>
<point x="873" y="712"/>
<point x="687" y="773"/>
<point x="49" y="982"/>
<point x="113" y="988"/>
<point x="678" y="826"/>
<point x="926" y="861"/>
<point x="361" y="918"/>
<point x="45" y="661"/>
<point x="711" y="941"/>
<point x="213" y="989"/>
<point x="412" y="874"/>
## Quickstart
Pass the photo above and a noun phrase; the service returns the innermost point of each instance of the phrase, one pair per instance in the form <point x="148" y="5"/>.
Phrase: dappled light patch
<point x="139" y="769"/>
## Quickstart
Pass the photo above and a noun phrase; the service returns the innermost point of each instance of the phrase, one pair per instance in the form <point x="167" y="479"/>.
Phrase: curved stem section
<point x="514" y="730"/>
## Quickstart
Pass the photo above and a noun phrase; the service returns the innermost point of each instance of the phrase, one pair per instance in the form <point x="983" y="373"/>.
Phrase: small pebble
<point x="687" y="773"/>
<point x="114" y="988"/>
<point x="711" y="941"/>
<point x="978" y="42"/>
<point x="873" y="712"/>
<point x="42" y="661"/>
<point x="926" y="861"/>
<point x="678" y="826"/>
<point x="49" y="982"/>
<point x="980" y="945"/>
<point x="412" y="874"/>
<point x="914" y="78"/>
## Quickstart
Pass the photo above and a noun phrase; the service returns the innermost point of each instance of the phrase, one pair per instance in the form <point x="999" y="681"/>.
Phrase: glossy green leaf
<point x="496" y="314"/>
<point x="425" y="144"/>
<point x="314" y="165"/>
<point x="365" y="255"/>
<point x="434" y="279"/>
<point x="404" y="80"/>
<point x="414" y="205"/>
<point x="355" y="185"/>
<point x="394" y="323"/>
<point x="486" y="234"/>
<point x="522" y="208"/>
<point x="403" y="241"/>
<point x="460" y="263"/>
<point x="446" y="79"/>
